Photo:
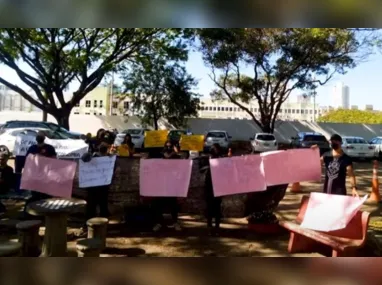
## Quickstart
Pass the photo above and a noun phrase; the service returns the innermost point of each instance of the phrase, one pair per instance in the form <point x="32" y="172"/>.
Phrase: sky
<point x="364" y="81"/>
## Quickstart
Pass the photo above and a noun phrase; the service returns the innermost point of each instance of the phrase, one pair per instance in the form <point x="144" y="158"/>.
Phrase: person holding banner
<point x="126" y="149"/>
<point x="98" y="195"/>
<point x="159" y="204"/>
<point x="338" y="165"/>
<point x="213" y="203"/>
<point x="6" y="177"/>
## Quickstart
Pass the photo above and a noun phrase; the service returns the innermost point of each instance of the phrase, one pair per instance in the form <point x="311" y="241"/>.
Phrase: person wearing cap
<point x="338" y="165"/>
<point x="6" y="177"/>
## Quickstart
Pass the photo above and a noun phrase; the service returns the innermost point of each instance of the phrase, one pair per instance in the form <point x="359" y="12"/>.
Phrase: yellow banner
<point x="193" y="142"/>
<point x="155" y="138"/>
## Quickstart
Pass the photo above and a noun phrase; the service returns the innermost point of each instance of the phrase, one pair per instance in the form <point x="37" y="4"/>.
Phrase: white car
<point x="263" y="142"/>
<point x="137" y="137"/>
<point x="358" y="147"/>
<point x="220" y="137"/>
<point x="377" y="143"/>
<point x="8" y="137"/>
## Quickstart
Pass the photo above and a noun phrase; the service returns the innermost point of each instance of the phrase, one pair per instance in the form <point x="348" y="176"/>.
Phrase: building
<point x="291" y="111"/>
<point x="341" y="96"/>
<point x="12" y="101"/>
<point x="98" y="102"/>
<point x="369" y="108"/>
<point x="354" y="107"/>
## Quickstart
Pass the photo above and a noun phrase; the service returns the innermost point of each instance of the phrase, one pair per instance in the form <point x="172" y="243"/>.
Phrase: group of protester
<point x="338" y="166"/>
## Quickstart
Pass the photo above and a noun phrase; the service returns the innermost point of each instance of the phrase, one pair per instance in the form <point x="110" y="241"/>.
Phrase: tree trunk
<point x="62" y="118"/>
<point x="44" y="116"/>
<point x="156" y="127"/>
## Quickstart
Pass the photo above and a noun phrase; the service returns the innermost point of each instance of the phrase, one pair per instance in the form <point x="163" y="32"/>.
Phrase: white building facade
<point x="341" y="96"/>
<point x="302" y="110"/>
<point x="12" y="101"/>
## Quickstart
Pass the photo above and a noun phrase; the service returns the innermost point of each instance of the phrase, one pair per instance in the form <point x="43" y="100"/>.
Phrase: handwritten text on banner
<point x="328" y="212"/>
<point x="97" y="172"/>
<point x="68" y="148"/>
<point x="236" y="175"/>
<point x="155" y="138"/>
<point x="192" y="142"/>
<point x="297" y="165"/>
<point x="164" y="178"/>
<point x="50" y="176"/>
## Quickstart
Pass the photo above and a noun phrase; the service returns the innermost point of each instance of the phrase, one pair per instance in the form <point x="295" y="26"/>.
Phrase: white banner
<point x="73" y="149"/>
<point x="97" y="172"/>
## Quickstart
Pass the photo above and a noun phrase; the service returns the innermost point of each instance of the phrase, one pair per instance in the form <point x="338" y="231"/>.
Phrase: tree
<point x="282" y="60"/>
<point x="352" y="117"/>
<point x="161" y="87"/>
<point x="58" y="57"/>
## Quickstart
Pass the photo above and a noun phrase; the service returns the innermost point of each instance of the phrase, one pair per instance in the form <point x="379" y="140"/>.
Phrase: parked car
<point x="307" y="139"/>
<point x="8" y="137"/>
<point x="220" y="137"/>
<point x="377" y="143"/>
<point x="137" y="136"/>
<point x="357" y="147"/>
<point x="41" y="125"/>
<point x="263" y="142"/>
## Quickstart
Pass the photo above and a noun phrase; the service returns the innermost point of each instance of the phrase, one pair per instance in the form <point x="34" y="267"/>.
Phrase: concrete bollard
<point x="89" y="247"/>
<point x="97" y="228"/>
<point x="29" y="238"/>
<point x="10" y="249"/>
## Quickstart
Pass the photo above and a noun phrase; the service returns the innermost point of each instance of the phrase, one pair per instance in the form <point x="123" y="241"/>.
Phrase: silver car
<point x="220" y="137"/>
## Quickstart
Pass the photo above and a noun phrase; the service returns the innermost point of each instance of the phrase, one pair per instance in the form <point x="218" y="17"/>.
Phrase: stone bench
<point x="89" y="247"/>
<point x="344" y="242"/>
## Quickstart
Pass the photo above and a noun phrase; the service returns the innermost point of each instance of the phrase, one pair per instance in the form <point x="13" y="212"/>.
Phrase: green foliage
<point x="57" y="57"/>
<point x="352" y="116"/>
<point x="282" y="60"/>
<point x="161" y="87"/>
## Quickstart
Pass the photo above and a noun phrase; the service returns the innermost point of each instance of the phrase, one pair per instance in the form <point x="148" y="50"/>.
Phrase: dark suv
<point x="306" y="140"/>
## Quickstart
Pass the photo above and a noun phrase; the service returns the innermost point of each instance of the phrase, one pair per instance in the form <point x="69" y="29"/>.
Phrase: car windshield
<point x="315" y="138"/>
<point x="216" y="135"/>
<point x="355" y="141"/>
<point x="265" y="137"/>
<point x="132" y="132"/>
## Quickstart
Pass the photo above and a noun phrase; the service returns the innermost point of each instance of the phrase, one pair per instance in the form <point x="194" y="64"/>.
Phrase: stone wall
<point x="124" y="191"/>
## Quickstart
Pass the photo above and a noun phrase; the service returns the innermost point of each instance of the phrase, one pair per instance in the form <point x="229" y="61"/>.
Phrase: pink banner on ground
<point x="236" y="175"/>
<point x="49" y="176"/>
<point x="328" y="212"/>
<point x="164" y="177"/>
<point x="296" y="165"/>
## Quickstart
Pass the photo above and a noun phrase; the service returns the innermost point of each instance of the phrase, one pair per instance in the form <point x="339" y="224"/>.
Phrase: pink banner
<point x="164" y="177"/>
<point x="47" y="175"/>
<point x="236" y="175"/>
<point x="327" y="212"/>
<point x="296" y="165"/>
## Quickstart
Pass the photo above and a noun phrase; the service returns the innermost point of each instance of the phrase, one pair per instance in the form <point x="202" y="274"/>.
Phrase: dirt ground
<point x="233" y="240"/>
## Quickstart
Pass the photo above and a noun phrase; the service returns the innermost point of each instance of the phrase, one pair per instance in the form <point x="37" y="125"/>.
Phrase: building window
<point x="76" y="113"/>
<point x="214" y="109"/>
<point x="100" y="114"/>
<point x="87" y="113"/>
<point x="230" y="109"/>
<point x="78" y="104"/>
<point x="281" y="110"/>
<point x="201" y="108"/>
<point x="226" y="108"/>
<point x="235" y="109"/>
<point x="315" y="111"/>
<point x="126" y="106"/>
<point x="293" y="111"/>
<point x="218" y="108"/>
<point x="95" y="103"/>
<point x="87" y="103"/>
<point x="100" y="103"/>
<point x="298" y="111"/>
<point x="311" y="112"/>
<point x="210" y="108"/>
<point x="115" y="105"/>
<point x="95" y="113"/>
<point x="114" y="114"/>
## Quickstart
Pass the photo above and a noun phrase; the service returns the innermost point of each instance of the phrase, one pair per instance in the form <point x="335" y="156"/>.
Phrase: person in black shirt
<point x="338" y="164"/>
<point x="6" y="177"/>
<point x="213" y="203"/>
<point x="159" y="204"/>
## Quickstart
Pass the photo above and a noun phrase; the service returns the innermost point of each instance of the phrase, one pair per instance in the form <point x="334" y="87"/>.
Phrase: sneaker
<point x="177" y="227"/>
<point x="157" y="227"/>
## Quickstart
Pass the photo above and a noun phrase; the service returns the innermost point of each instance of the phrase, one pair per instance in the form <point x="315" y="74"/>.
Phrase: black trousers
<point x="97" y="197"/>
<point x="214" y="210"/>
<point x="160" y="205"/>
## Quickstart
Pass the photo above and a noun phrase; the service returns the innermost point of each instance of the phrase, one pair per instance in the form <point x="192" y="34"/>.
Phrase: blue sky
<point x="364" y="81"/>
